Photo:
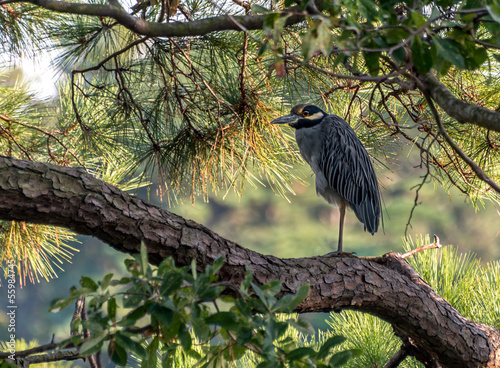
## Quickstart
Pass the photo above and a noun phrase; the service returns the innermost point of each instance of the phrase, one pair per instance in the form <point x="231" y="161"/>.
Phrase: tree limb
<point x="460" y="110"/>
<point x="475" y="167"/>
<point x="388" y="288"/>
<point x="154" y="29"/>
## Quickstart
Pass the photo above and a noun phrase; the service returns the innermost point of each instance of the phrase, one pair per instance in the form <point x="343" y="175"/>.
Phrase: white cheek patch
<point x="315" y="116"/>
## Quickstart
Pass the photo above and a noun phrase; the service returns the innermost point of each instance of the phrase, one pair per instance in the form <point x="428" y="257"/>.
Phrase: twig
<point x="397" y="358"/>
<point x="61" y="355"/>
<point x="412" y="252"/>
<point x="365" y="78"/>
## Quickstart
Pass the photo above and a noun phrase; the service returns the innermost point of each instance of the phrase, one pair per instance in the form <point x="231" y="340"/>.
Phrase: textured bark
<point x="460" y="110"/>
<point x="386" y="287"/>
<point x="156" y="29"/>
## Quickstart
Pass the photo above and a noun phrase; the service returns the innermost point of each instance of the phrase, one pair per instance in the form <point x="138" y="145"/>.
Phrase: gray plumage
<point x="344" y="173"/>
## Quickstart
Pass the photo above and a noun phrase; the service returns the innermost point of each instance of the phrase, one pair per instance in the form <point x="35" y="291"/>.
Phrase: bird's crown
<point x="308" y="111"/>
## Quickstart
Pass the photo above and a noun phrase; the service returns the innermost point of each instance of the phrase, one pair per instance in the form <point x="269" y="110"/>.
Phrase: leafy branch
<point x="169" y="308"/>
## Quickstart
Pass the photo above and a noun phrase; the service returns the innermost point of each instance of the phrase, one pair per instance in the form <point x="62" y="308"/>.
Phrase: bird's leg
<point x="341" y="225"/>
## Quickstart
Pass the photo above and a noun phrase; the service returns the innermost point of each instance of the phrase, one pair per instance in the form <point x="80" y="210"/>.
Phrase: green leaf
<point x="372" y="62"/>
<point x="234" y="352"/>
<point x="128" y="344"/>
<point x="105" y="281"/>
<point x="227" y="320"/>
<point x="270" y="20"/>
<point x="449" y="51"/>
<point x="92" y="345"/>
<point x="259" y="9"/>
<point x="420" y="55"/>
<point x="418" y="19"/>
<point x="151" y="358"/>
<point x="265" y="47"/>
<point x="164" y="315"/>
<point x="272" y="287"/>
<point x="478" y="57"/>
<point x="318" y="39"/>
<point x="122" y="281"/>
<point x="341" y="358"/>
<point x="137" y="313"/>
<point x="393" y="36"/>
<point x="247" y="282"/>
<point x="267" y="364"/>
<point x="330" y="343"/>
<point x="216" y="266"/>
<point x="300" y="353"/>
<point x="59" y="304"/>
<point x="494" y="11"/>
<point x="112" y="308"/>
<point x="302" y="326"/>
<point x="289" y="302"/>
<point x="194" y="354"/>
<point x="88" y="283"/>
<point x="171" y="283"/>
<point x="117" y="353"/>
<point x="201" y="329"/>
<point x="260" y="294"/>
<point x="185" y="338"/>
<point x="276" y="329"/>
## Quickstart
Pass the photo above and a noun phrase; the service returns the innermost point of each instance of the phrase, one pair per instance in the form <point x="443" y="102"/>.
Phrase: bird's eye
<point x="305" y="113"/>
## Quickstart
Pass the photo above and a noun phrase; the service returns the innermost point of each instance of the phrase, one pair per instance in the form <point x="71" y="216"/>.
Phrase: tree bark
<point x="386" y="287"/>
<point x="460" y="110"/>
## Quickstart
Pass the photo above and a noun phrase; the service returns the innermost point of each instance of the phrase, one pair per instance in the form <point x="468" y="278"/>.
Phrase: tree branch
<point x="460" y="110"/>
<point x="475" y="167"/>
<point x="154" y="29"/>
<point x="388" y="288"/>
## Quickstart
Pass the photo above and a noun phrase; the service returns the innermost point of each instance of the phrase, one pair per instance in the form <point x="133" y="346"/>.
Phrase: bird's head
<point x="302" y="116"/>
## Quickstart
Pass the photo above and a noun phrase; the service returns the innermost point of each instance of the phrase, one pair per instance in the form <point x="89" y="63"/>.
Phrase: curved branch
<point x="475" y="167"/>
<point x="153" y="29"/>
<point x="386" y="287"/>
<point x="460" y="110"/>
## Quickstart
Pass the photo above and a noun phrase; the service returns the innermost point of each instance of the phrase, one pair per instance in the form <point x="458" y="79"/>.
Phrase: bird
<point x="344" y="173"/>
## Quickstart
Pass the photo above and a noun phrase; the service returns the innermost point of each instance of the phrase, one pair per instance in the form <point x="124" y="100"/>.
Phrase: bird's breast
<point x="310" y="142"/>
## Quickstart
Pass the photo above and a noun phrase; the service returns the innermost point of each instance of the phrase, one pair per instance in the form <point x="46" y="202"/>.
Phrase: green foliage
<point x="467" y="284"/>
<point x="45" y="250"/>
<point x="172" y="306"/>
<point x="371" y="335"/>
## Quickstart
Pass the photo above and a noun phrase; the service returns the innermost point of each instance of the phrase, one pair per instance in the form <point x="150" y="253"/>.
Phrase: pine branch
<point x="154" y="29"/>
<point x="460" y="110"/>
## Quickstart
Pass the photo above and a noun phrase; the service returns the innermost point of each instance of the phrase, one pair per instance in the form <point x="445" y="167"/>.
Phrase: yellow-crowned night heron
<point x="344" y="172"/>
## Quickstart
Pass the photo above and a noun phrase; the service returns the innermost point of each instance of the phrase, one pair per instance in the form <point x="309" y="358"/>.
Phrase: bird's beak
<point x="287" y="119"/>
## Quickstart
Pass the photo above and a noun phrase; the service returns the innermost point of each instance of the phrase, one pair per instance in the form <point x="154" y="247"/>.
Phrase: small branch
<point x="397" y="358"/>
<point x="364" y="78"/>
<point x="61" y="355"/>
<point x="412" y="252"/>
<point x="81" y="312"/>
<point x="35" y="350"/>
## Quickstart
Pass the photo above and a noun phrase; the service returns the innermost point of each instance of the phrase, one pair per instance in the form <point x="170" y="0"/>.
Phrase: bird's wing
<point x="347" y="167"/>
